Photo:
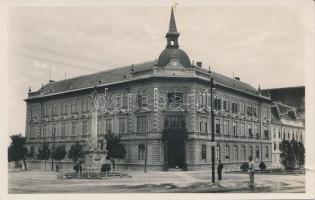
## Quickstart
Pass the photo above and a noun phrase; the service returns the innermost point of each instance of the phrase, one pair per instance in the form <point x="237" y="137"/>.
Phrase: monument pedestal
<point x="94" y="159"/>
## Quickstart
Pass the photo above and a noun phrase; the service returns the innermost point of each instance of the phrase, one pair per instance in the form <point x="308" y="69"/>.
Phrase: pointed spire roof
<point x="172" y="27"/>
<point x="172" y="30"/>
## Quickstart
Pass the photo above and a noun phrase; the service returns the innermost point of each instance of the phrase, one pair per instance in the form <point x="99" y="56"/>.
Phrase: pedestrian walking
<point x="220" y="168"/>
<point x="251" y="171"/>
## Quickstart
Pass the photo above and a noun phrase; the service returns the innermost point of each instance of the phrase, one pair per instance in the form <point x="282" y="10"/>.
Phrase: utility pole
<point x="212" y="132"/>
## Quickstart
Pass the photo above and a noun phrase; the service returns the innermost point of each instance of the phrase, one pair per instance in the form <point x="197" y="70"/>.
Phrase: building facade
<point x="161" y="110"/>
<point x="285" y="125"/>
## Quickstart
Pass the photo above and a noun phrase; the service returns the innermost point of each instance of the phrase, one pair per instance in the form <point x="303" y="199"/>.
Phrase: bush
<point x="244" y="167"/>
<point x="106" y="168"/>
<point x="262" y="166"/>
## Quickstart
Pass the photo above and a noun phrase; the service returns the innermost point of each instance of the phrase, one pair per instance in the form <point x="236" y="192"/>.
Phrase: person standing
<point x="220" y="167"/>
<point x="251" y="171"/>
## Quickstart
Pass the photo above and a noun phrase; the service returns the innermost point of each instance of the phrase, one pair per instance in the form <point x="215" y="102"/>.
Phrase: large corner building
<point x="164" y="113"/>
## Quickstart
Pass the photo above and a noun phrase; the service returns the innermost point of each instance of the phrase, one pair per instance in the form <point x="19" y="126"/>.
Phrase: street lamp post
<point x="212" y="132"/>
<point x="53" y="147"/>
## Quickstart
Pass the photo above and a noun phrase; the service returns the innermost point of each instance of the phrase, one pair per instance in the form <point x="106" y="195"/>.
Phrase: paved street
<point x="175" y="181"/>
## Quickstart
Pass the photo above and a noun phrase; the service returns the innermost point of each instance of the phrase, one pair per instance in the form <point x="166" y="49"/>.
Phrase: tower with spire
<point x="172" y="50"/>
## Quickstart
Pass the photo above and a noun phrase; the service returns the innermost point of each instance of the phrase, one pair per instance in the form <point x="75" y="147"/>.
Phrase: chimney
<point x="237" y="78"/>
<point x="199" y="64"/>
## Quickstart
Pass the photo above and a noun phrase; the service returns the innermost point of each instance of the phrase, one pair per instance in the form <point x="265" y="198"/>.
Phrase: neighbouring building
<point x="285" y="125"/>
<point x="161" y="110"/>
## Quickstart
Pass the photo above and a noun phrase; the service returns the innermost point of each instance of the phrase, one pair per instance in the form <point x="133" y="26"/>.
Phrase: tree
<point x="44" y="153"/>
<point x="300" y="153"/>
<point x="17" y="150"/>
<point x="76" y="152"/>
<point x="115" y="149"/>
<point x="59" y="153"/>
<point x="287" y="154"/>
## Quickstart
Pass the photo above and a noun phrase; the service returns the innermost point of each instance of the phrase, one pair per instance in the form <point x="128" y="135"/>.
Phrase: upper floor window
<point x="73" y="127"/>
<point x="63" y="129"/>
<point x="55" y="109"/>
<point x="243" y="129"/>
<point x="249" y="110"/>
<point x="64" y="108"/>
<point x="175" y="101"/>
<point x="44" y="130"/>
<point x="217" y="126"/>
<point x="175" y="121"/>
<point x="266" y="132"/>
<point x="265" y="113"/>
<point x="203" y="125"/>
<point x="73" y="106"/>
<point x="53" y="130"/>
<point x="85" y="105"/>
<point x="142" y="124"/>
<point x="234" y="107"/>
<point x="257" y="131"/>
<point x="250" y="130"/>
<point x="203" y="152"/>
<point x="217" y="103"/>
<point x="142" y="101"/>
<point x="242" y="107"/>
<point x="84" y="128"/>
<point x="274" y="146"/>
<point x="235" y="128"/>
<point x="255" y="111"/>
<point x="226" y="127"/>
<point x="244" y="152"/>
<point x="45" y="111"/>
<point x="225" y="103"/>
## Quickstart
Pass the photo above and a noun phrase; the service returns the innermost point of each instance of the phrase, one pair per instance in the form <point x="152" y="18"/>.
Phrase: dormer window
<point x="172" y="42"/>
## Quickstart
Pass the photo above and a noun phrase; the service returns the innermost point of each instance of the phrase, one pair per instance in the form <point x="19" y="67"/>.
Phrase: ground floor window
<point x="203" y="152"/>
<point x="141" y="150"/>
<point x="227" y="152"/>
<point x="218" y="152"/>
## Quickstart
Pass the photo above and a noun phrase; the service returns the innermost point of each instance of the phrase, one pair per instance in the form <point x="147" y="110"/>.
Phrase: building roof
<point x="125" y="74"/>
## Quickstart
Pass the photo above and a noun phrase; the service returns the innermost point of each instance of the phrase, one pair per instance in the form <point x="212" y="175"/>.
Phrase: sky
<point x="263" y="45"/>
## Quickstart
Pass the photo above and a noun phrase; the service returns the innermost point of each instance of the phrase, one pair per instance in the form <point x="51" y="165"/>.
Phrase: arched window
<point x="141" y="151"/>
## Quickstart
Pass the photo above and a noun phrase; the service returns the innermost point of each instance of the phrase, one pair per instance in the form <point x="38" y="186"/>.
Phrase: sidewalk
<point x="191" y="181"/>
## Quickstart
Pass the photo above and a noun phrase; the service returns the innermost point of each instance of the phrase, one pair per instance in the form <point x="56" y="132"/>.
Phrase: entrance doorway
<point x="176" y="153"/>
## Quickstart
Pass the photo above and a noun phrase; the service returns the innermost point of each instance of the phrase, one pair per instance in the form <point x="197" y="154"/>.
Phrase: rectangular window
<point x="267" y="152"/>
<point x="243" y="129"/>
<point x="242" y="107"/>
<point x="73" y="128"/>
<point x="141" y="151"/>
<point x="266" y="133"/>
<point x="257" y="152"/>
<point x="251" y="151"/>
<point x="227" y="152"/>
<point x="217" y="104"/>
<point x="249" y="110"/>
<point x="235" y="128"/>
<point x="175" y="121"/>
<point x="226" y="127"/>
<point x="234" y="107"/>
<point x="257" y="131"/>
<point x="63" y="129"/>
<point x="203" y="152"/>
<point x="203" y="125"/>
<point x="108" y="126"/>
<point x="53" y="130"/>
<point x="255" y="111"/>
<point x="265" y="113"/>
<point x="84" y="128"/>
<point x="217" y="126"/>
<point x="85" y="105"/>
<point x="250" y="130"/>
<point x="225" y="105"/>
<point x="142" y="124"/>
<point x="244" y="152"/>
<point x="44" y="130"/>
<point x="73" y="106"/>
<point x="218" y="150"/>
<point x="235" y="152"/>
<point x="122" y="125"/>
